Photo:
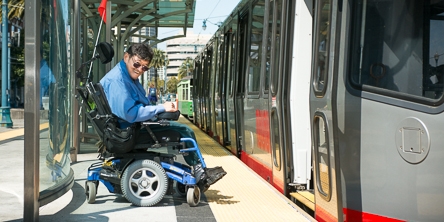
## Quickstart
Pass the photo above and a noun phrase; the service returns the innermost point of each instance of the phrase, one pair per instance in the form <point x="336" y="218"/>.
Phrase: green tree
<point x="186" y="68"/>
<point x="18" y="64"/>
<point x="159" y="61"/>
<point x="16" y="10"/>
<point x="172" y="85"/>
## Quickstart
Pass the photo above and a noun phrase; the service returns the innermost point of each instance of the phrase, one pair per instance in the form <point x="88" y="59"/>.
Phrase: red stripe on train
<point x="354" y="215"/>
<point x="262" y="170"/>
<point x="322" y="215"/>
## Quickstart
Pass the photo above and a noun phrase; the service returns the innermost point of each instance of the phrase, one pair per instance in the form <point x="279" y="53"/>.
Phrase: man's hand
<point x="170" y="107"/>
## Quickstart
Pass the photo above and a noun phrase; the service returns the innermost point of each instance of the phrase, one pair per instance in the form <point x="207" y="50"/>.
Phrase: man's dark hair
<point x="144" y="51"/>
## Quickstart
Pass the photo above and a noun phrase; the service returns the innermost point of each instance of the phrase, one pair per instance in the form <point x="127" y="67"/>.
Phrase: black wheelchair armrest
<point x="172" y="116"/>
<point x="163" y="119"/>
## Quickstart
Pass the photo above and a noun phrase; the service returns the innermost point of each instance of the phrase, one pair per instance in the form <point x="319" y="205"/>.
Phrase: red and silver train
<point x="336" y="103"/>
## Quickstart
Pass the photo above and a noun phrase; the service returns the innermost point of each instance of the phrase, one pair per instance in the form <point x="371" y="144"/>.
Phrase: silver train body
<point x="336" y="103"/>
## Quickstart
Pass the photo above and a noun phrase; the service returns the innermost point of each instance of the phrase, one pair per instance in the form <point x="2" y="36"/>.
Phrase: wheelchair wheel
<point x="193" y="196"/>
<point x="180" y="189"/>
<point x="90" y="191"/>
<point x="144" y="183"/>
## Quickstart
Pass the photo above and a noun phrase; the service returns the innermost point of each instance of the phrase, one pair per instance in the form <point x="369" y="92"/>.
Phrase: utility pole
<point x="5" y="118"/>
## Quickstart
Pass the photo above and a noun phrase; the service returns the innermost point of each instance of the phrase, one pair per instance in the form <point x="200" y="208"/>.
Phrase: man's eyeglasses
<point x="137" y="65"/>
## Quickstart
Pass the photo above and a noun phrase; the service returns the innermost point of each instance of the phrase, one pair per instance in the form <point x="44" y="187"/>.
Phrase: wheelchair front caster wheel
<point x="193" y="196"/>
<point x="90" y="191"/>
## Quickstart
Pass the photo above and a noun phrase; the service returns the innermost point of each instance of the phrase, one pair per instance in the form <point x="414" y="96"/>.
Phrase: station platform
<point x="240" y="196"/>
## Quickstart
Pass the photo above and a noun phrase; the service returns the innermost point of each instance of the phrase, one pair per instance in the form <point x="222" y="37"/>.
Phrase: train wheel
<point x="144" y="183"/>
<point x="193" y="196"/>
<point x="180" y="189"/>
<point x="90" y="191"/>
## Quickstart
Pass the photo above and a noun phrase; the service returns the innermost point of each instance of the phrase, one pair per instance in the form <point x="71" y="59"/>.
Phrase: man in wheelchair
<point x="127" y="99"/>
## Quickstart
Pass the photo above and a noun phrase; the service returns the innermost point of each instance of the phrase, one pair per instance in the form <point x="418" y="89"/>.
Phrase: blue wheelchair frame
<point x="176" y="171"/>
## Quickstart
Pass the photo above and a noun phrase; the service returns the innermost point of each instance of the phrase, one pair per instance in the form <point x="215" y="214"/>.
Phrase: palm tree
<point x="186" y="68"/>
<point x="16" y="9"/>
<point x="159" y="61"/>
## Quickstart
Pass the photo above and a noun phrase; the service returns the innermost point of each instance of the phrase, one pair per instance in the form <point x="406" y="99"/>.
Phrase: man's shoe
<point x="214" y="175"/>
<point x="208" y="176"/>
<point x="203" y="187"/>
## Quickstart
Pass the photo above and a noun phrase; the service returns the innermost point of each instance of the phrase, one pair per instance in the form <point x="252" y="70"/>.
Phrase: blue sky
<point x="213" y="10"/>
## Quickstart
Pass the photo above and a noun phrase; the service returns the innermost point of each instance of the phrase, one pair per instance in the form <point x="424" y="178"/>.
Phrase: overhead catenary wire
<point x="213" y="9"/>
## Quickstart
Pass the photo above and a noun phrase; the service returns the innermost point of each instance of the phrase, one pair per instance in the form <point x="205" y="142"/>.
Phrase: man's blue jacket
<point x="127" y="96"/>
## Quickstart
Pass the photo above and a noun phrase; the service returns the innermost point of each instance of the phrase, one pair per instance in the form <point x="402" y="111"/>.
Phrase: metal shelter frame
<point x="129" y="16"/>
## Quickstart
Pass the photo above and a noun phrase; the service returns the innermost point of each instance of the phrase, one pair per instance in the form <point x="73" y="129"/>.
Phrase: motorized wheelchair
<point x="142" y="175"/>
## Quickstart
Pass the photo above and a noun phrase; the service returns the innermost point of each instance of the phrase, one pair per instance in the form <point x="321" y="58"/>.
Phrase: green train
<point x="184" y="97"/>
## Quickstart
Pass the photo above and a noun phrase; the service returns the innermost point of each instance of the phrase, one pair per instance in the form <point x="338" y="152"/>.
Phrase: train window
<point x="322" y="45"/>
<point x="268" y="65"/>
<point x="231" y="63"/>
<point x="399" y="49"/>
<point x="185" y="92"/>
<point x="277" y="43"/>
<point x="254" y="62"/>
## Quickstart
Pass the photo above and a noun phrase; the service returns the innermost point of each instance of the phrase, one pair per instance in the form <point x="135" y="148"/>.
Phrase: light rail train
<point x="184" y="97"/>
<point x="336" y="103"/>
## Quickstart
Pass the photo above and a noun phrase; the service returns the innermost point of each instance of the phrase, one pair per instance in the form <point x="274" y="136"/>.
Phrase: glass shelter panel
<point x="55" y="75"/>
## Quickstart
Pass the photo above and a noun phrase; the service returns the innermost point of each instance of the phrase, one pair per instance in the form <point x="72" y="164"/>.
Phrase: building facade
<point x="181" y="48"/>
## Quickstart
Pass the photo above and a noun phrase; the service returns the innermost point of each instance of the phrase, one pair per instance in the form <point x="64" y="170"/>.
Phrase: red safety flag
<point x="102" y="10"/>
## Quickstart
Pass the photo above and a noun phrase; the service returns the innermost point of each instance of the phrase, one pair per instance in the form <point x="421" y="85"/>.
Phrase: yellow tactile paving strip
<point x="241" y="195"/>
<point x="19" y="132"/>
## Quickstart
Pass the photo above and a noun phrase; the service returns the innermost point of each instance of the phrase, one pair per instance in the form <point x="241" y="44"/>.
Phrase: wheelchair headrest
<point x="105" y="51"/>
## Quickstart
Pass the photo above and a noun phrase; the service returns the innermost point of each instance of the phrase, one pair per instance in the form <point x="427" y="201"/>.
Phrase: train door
<point x="201" y="122"/>
<point x="275" y="86"/>
<point x="202" y="91"/>
<point x="223" y="89"/>
<point x="322" y="111"/>
<point x="231" y="43"/>
<point x="256" y="152"/>
<point x="240" y="80"/>
<point x="207" y="90"/>
<point x="218" y="87"/>
<point x="196" y="89"/>
<point x="226" y="60"/>
<point x="213" y="84"/>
